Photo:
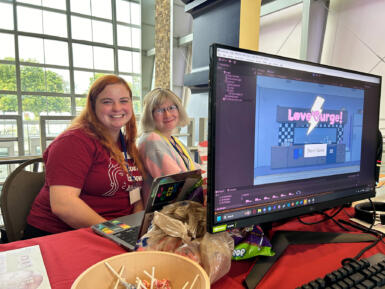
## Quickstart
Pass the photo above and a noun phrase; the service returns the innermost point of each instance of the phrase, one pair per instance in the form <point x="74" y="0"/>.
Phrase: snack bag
<point x="181" y="228"/>
<point x="250" y="242"/>
<point x="216" y="251"/>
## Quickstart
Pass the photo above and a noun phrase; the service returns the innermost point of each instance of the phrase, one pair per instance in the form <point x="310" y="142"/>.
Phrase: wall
<point x="354" y="37"/>
<point x="182" y="27"/>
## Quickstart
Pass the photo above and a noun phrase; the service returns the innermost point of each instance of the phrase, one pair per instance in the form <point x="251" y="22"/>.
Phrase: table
<point x="68" y="254"/>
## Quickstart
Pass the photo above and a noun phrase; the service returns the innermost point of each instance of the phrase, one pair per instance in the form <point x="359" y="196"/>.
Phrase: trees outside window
<point x="48" y="64"/>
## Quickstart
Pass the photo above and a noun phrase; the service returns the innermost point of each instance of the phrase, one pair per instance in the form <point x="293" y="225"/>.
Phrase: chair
<point x="19" y="190"/>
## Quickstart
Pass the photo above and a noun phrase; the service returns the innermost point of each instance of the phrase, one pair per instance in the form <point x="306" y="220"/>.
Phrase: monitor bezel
<point x="277" y="215"/>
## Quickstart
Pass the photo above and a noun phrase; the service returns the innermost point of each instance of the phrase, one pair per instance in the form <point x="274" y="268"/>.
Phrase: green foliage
<point x="135" y="86"/>
<point x="7" y="77"/>
<point x="8" y="103"/>
<point x="34" y="79"/>
<point x="40" y="104"/>
<point x="95" y="77"/>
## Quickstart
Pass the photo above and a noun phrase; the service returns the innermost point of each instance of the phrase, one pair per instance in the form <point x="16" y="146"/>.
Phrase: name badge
<point x="134" y="196"/>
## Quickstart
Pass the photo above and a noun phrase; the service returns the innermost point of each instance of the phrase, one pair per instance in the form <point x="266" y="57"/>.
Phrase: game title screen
<point x="305" y="130"/>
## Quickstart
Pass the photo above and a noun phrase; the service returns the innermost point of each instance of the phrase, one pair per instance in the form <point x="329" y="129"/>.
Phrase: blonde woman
<point x="161" y="152"/>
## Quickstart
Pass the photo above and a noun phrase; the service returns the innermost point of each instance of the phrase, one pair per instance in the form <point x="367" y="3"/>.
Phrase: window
<point x="50" y="53"/>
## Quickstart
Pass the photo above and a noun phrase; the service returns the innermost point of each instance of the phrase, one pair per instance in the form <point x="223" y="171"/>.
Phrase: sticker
<point x="134" y="196"/>
<point x="120" y="224"/>
<point x="219" y="228"/>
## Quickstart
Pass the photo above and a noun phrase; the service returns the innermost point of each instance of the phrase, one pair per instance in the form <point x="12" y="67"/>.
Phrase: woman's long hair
<point x="89" y="122"/>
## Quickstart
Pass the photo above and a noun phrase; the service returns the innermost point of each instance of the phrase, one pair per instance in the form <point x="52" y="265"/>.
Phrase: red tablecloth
<point x="68" y="254"/>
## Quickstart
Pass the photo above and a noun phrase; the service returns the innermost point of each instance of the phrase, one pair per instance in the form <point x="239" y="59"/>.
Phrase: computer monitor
<point x="286" y="137"/>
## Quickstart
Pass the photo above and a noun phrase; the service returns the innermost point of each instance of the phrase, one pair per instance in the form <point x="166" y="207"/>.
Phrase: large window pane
<point x="7" y="77"/>
<point x="83" y="29"/>
<point x="136" y="42"/>
<point x="56" y="126"/>
<point x="31" y="129"/>
<point x="58" y="4"/>
<point x="83" y="79"/>
<point x="29" y="19"/>
<point x="123" y="11"/>
<point x="32" y="106"/>
<point x="44" y="80"/>
<point x="56" y="52"/>
<point x="125" y="61"/>
<point x="34" y="2"/>
<point x="128" y="79"/>
<point x="80" y="103"/>
<point x="57" y="80"/>
<point x="103" y="58"/>
<point x="7" y="149"/>
<point x="102" y="32"/>
<point x="101" y="8"/>
<point x="136" y="62"/>
<point x="31" y="49"/>
<point x="44" y="63"/>
<point x="32" y="78"/>
<point x="8" y="128"/>
<point x="6" y="16"/>
<point x="55" y="24"/>
<point x="33" y="144"/>
<point x="7" y="47"/>
<point x="124" y="36"/>
<point x="136" y="86"/>
<point x="8" y="104"/>
<point x="137" y="104"/>
<point x="83" y="7"/>
<point x="83" y="55"/>
<point x="46" y="105"/>
<point x="135" y="13"/>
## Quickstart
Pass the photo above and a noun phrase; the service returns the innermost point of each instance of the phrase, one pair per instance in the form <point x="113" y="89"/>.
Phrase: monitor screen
<point x="286" y="137"/>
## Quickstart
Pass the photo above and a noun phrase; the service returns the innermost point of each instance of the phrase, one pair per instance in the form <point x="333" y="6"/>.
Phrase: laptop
<point x="165" y="190"/>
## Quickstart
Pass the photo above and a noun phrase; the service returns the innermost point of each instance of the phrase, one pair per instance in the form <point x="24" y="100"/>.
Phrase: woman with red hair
<point x="93" y="170"/>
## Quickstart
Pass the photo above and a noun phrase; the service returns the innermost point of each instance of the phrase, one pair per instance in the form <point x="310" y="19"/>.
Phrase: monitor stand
<point x="282" y="239"/>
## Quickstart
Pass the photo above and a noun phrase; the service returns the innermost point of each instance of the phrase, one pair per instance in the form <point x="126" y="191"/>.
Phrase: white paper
<point x="377" y="225"/>
<point x="23" y="268"/>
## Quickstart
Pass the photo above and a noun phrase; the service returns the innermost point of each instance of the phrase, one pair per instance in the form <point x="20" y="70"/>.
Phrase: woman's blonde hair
<point x="153" y="100"/>
<point x="89" y="122"/>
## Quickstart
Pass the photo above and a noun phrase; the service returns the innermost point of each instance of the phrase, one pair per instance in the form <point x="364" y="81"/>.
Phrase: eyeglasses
<point x="170" y="109"/>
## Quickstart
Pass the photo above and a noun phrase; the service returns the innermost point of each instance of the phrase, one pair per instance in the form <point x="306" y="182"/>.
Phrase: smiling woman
<point x="113" y="108"/>
<point x="161" y="152"/>
<point x="88" y="181"/>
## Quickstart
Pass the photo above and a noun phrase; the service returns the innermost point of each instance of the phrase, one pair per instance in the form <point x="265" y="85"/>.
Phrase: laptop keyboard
<point x="129" y="235"/>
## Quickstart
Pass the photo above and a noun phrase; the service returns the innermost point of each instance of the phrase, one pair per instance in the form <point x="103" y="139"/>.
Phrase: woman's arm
<point x="66" y="205"/>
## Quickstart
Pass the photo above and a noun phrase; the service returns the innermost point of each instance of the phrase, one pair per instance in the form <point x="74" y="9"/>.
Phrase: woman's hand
<point x="66" y="205"/>
<point x="138" y="206"/>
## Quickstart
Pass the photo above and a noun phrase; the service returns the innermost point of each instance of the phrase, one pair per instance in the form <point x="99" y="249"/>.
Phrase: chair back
<point x="19" y="191"/>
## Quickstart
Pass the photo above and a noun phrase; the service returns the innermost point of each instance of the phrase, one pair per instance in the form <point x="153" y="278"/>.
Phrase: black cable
<point x="338" y="223"/>
<point x="358" y="256"/>
<point x="374" y="214"/>
<point x="380" y="236"/>
<point x="327" y="217"/>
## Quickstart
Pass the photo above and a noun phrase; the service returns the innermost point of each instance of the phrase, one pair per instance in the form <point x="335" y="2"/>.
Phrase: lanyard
<point x="182" y="153"/>
<point x="124" y="147"/>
